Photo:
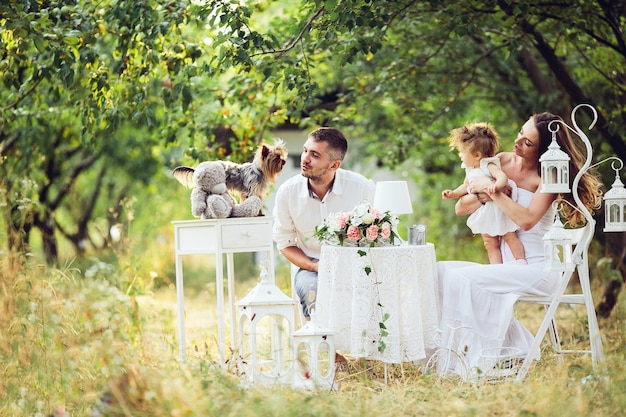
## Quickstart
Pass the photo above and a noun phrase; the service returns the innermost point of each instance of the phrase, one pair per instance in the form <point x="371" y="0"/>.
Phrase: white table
<point x="402" y="284"/>
<point x="219" y="237"/>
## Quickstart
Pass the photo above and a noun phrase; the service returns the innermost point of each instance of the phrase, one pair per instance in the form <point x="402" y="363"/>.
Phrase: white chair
<point x="582" y="238"/>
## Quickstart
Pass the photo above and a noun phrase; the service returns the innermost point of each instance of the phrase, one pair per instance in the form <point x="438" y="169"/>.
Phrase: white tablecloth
<point x="401" y="286"/>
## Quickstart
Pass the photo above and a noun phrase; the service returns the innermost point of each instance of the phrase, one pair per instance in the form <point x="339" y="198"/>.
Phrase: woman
<point x="477" y="300"/>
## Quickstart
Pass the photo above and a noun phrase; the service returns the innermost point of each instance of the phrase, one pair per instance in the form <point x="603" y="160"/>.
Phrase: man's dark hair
<point x="337" y="143"/>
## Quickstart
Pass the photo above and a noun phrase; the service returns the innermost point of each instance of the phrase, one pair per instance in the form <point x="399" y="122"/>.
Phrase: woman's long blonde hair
<point x="589" y="187"/>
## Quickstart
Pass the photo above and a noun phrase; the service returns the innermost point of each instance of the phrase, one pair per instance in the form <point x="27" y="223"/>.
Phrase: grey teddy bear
<point x="210" y="198"/>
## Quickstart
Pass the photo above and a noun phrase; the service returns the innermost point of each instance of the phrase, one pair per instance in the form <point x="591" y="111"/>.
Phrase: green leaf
<point x="187" y="97"/>
<point x="71" y="40"/>
<point x="40" y="43"/>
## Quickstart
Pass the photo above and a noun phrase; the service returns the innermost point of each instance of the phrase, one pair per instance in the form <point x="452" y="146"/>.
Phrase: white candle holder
<point x="266" y="322"/>
<point x="615" y="202"/>
<point x="555" y="179"/>
<point x="314" y="346"/>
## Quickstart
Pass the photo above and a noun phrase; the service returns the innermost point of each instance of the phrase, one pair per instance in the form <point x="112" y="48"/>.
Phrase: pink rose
<point x="342" y="219"/>
<point x="354" y="233"/>
<point x="386" y="230"/>
<point x="372" y="232"/>
<point x="375" y="212"/>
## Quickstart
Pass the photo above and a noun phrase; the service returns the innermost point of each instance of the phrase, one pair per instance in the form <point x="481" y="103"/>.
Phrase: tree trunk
<point x="616" y="246"/>
<point x="50" y="246"/>
<point x="18" y="229"/>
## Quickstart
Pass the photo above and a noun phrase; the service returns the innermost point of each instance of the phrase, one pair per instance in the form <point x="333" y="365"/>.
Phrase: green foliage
<point x="79" y="78"/>
<point x="398" y="69"/>
<point x="94" y="85"/>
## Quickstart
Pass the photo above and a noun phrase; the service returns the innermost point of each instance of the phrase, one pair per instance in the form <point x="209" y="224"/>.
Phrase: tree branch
<point x="64" y="189"/>
<point x="294" y="41"/>
<point x="8" y="144"/>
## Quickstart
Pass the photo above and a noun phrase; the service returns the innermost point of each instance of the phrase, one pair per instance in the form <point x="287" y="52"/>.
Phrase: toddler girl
<point x="477" y="144"/>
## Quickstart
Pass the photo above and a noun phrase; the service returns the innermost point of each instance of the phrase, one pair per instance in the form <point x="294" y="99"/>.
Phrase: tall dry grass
<point x="66" y="339"/>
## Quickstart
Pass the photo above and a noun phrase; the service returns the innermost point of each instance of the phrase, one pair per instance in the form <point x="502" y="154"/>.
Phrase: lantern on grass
<point x="615" y="205"/>
<point x="554" y="167"/>
<point x="266" y="321"/>
<point x="557" y="244"/>
<point x="314" y="347"/>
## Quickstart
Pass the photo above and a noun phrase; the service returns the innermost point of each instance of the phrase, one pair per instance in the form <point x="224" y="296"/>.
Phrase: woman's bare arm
<point x="524" y="217"/>
<point x="501" y="179"/>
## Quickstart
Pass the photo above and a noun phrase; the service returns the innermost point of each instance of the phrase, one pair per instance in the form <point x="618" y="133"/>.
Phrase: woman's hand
<point x="484" y="188"/>
<point x="479" y="185"/>
<point x="483" y="197"/>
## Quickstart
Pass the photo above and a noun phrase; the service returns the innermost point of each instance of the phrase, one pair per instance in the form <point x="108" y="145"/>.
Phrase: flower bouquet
<point x="363" y="226"/>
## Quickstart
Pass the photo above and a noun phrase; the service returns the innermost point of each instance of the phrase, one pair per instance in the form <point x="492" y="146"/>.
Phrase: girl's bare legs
<point x="492" y="244"/>
<point x="516" y="246"/>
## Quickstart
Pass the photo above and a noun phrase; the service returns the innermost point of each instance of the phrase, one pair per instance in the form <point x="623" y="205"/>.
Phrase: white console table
<point x="219" y="237"/>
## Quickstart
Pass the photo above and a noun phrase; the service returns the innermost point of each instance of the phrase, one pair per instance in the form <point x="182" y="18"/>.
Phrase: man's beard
<point x="310" y="175"/>
<point x="307" y="175"/>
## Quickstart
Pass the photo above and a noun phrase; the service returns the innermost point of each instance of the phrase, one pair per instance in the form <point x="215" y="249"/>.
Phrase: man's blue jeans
<point x="306" y="288"/>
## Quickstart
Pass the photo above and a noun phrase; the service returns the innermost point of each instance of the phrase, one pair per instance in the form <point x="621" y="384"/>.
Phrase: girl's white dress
<point x="477" y="301"/>
<point x="489" y="218"/>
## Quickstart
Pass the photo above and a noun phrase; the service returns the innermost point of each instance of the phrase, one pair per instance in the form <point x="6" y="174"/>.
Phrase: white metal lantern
<point x="314" y="347"/>
<point x="554" y="168"/>
<point x="266" y="321"/>
<point x="557" y="244"/>
<point x="615" y="206"/>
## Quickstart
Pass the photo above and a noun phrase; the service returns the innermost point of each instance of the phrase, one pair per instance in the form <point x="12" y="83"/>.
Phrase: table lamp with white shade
<point x="393" y="196"/>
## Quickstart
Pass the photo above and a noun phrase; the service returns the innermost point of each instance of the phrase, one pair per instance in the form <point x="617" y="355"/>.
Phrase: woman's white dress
<point x="489" y="218"/>
<point x="477" y="301"/>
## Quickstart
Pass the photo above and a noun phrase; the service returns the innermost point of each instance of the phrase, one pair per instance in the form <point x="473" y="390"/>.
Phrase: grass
<point x="66" y="338"/>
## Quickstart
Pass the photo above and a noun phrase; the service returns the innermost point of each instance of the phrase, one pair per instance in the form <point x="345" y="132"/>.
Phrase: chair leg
<point x="535" y="346"/>
<point x="595" y="341"/>
<point x="581" y="260"/>
<point x="556" y="341"/>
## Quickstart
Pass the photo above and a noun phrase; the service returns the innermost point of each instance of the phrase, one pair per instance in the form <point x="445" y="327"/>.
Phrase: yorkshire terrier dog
<point x="249" y="178"/>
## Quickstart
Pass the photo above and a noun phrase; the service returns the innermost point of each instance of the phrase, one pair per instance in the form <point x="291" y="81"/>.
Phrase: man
<point x="305" y="200"/>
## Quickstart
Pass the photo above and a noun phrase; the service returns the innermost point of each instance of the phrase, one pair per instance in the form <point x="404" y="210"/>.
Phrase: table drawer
<point x="246" y="236"/>
<point x="196" y="239"/>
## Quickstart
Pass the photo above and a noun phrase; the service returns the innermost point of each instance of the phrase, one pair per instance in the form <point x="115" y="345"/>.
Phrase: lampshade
<point x="392" y="196"/>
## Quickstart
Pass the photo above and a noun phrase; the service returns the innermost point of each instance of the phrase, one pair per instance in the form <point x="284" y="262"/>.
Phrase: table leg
<point x="231" y="300"/>
<point x="219" y="292"/>
<point x="180" y="301"/>
<point x="270" y="262"/>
